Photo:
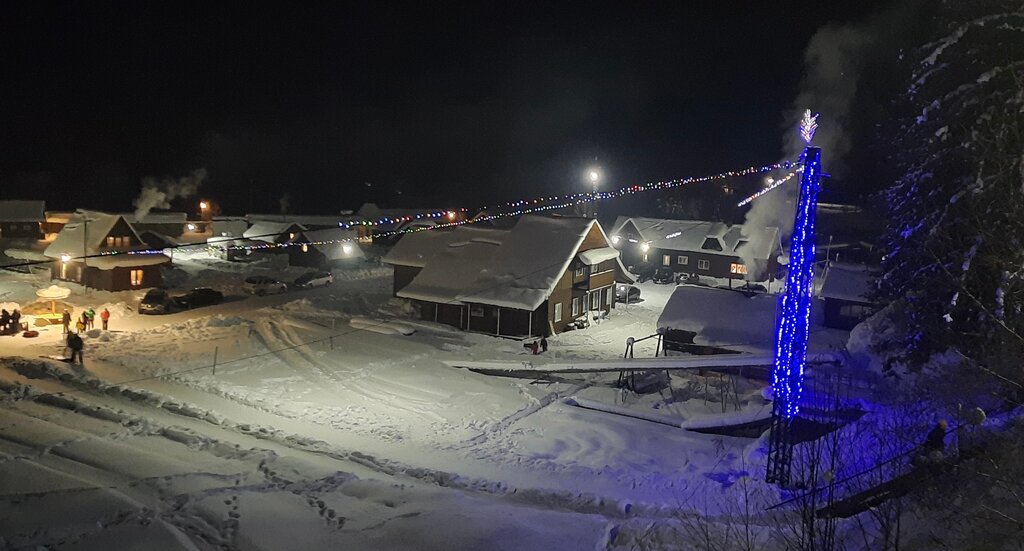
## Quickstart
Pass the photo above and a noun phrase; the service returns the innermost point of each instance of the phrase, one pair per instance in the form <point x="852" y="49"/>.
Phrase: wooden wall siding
<point x="117" y="279"/>
<point x="33" y="230"/>
<point x="563" y="293"/>
<point x="593" y="240"/>
<point x="403" y="276"/>
<point x="719" y="265"/>
<point x="602" y="280"/>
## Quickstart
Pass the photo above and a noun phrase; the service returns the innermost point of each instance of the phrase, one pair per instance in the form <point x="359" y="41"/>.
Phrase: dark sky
<point x="433" y="105"/>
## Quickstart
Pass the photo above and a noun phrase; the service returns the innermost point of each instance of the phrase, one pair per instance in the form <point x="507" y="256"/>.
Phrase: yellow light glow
<point x="645" y="247"/>
<point x="65" y="258"/>
<point x="204" y="205"/>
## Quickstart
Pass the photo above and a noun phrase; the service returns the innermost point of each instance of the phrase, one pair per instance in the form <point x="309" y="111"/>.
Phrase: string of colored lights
<point x="795" y="304"/>
<point x="526" y="207"/>
<point x="772" y="184"/>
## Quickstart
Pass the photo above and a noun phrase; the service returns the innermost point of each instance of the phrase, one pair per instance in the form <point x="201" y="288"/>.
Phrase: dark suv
<point x="664" y="275"/>
<point x="156" y="301"/>
<point x="198" y="297"/>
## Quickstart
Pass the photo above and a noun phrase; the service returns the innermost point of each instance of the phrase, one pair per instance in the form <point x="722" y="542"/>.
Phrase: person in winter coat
<point x="543" y="344"/>
<point x="67" y="321"/>
<point x="16" y="320"/>
<point x="80" y="324"/>
<point x="936" y="439"/>
<point x="105" y="317"/>
<point x="5" y="319"/>
<point x="90" y="316"/>
<point x="76" y="345"/>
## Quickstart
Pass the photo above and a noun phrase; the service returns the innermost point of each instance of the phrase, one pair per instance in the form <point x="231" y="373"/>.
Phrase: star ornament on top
<point x="808" y="125"/>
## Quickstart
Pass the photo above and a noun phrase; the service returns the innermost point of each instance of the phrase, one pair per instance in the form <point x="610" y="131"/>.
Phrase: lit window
<point x="110" y="241"/>
<point x="683" y="260"/>
<point x="703" y="265"/>
<point x="136" y="277"/>
<point x="737" y="269"/>
<point x="291" y="235"/>
<point x="666" y="260"/>
<point x="305" y="248"/>
<point x="608" y="295"/>
<point x="558" y="311"/>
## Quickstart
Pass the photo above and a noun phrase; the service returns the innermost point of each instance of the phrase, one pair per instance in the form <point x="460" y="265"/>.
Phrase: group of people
<point x="10" y="322"/>
<point x="536" y="347"/>
<point x="86" y="321"/>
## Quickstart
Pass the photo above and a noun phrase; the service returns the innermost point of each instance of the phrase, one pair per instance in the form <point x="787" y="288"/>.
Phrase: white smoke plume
<point x="157" y="193"/>
<point x="832" y="62"/>
<point x="285" y="202"/>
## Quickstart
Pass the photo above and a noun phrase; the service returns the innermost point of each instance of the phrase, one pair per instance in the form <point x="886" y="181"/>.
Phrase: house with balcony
<point x="92" y="249"/>
<point x="697" y="247"/>
<point x="536" y="279"/>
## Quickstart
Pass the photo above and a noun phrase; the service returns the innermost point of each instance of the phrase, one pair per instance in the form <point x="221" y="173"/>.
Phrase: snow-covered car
<point x="626" y="293"/>
<point x="263" y="285"/>
<point x="314" y="279"/>
<point x="201" y="296"/>
<point x="156" y="301"/>
<point x="643" y="271"/>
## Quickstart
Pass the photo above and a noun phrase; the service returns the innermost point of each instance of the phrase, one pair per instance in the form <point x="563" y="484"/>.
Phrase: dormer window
<point x="739" y="245"/>
<point x="119" y="241"/>
<point x="711" y="244"/>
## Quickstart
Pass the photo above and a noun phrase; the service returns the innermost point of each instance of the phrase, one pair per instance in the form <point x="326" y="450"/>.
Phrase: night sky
<point x="431" y="105"/>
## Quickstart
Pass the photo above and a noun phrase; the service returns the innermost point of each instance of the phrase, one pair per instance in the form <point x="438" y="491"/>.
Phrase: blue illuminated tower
<point x="794" y="314"/>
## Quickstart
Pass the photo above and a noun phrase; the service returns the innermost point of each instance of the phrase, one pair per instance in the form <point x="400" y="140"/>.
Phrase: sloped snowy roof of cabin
<point x="268" y="231"/>
<point x="690" y="235"/>
<point x="331" y="242"/>
<point x="451" y="272"/>
<point x="530" y="262"/>
<point x="157" y="218"/>
<point x="417" y="248"/>
<point x="849" y="282"/>
<point x="597" y="256"/>
<point x="22" y="211"/>
<point x="77" y="237"/>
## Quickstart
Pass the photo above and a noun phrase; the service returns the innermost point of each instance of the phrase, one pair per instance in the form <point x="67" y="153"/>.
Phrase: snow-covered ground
<point x="313" y="432"/>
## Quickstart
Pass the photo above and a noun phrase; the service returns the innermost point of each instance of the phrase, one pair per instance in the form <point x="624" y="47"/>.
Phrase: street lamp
<point x="65" y="258"/>
<point x="203" y="205"/>
<point x="594" y="175"/>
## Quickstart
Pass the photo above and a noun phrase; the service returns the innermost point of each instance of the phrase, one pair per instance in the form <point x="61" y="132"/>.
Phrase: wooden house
<point x="710" y="249"/>
<point x="845" y="293"/>
<point x="324" y="248"/>
<point x="78" y="254"/>
<point x="22" y="219"/>
<point x="536" y="279"/>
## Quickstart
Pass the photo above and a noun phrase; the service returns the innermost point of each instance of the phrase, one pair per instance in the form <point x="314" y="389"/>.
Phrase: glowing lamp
<point x="204" y="205"/>
<point x="191" y="226"/>
<point x="594" y="176"/>
<point x="616" y="239"/>
<point x="645" y="247"/>
<point x="65" y="258"/>
<point x="451" y="215"/>
<point x="346" y="248"/>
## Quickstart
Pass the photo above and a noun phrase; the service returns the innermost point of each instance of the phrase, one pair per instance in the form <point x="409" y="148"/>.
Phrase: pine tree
<point x="954" y="265"/>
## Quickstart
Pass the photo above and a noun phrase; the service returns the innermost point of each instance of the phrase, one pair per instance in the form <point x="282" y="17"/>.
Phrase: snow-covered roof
<point x="721" y="316"/>
<point x="333" y="243"/>
<point x="847" y="282"/>
<point x="530" y="262"/>
<point x="692" y="235"/>
<point x="88" y="236"/>
<point x="417" y="248"/>
<point x="22" y="211"/>
<point x="451" y="272"/>
<point x="597" y="256"/>
<point x="269" y="231"/>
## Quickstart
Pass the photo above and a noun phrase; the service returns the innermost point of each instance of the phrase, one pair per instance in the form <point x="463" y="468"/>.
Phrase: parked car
<point x="201" y="296"/>
<point x="643" y="271"/>
<point x="314" y="279"/>
<point x="156" y="301"/>
<point x="664" y="275"/>
<point x="627" y="293"/>
<point x="263" y="285"/>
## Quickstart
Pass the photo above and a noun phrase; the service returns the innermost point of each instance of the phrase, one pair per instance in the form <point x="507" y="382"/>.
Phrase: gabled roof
<point x="417" y="248"/>
<point x="87" y="232"/>
<point x="22" y="211"/>
<point x="691" y="235"/>
<point x="450" y="272"/>
<point x="530" y="262"/>
<point x="270" y="231"/>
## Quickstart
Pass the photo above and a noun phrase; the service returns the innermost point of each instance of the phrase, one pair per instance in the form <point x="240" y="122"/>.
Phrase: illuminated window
<point x="110" y="241"/>
<point x="558" y="311"/>
<point x="703" y="265"/>
<point x="737" y="269"/>
<point x="581" y="270"/>
<point x="291" y="235"/>
<point x="136" y="277"/>
<point x="63" y="270"/>
<point x="305" y="248"/>
<point x="683" y="260"/>
<point x="608" y="295"/>
<point x="666" y="260"/>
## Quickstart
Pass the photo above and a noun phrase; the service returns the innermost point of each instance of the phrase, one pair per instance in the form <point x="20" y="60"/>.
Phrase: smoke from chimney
<point x="158" y="193"/>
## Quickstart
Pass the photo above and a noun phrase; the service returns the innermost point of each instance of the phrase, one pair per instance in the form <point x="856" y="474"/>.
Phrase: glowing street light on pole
<point x="594" y="175"/>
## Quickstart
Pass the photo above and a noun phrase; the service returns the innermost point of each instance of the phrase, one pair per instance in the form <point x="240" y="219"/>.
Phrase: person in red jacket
<point x="105" y="317"/>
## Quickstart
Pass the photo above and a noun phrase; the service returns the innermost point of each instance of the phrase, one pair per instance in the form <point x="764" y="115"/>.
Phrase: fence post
<point x="215" y="350"/>
<point x="332" y="341"/>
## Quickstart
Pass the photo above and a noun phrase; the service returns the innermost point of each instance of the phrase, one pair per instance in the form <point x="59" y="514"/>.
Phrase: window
<point x="735" y="268"/>
<point x="580" y="270"/>
<point x="136" y="276"/>
<point x="63" y="270"/>
<point x="683" y="260"/>
<point x="666" y="260"/>
<point x="703" y="265"/>
<point x="558" y="311"/>
<point x="711" y="244"/>
<point x="575" y="306"/>
<point x="110" y="241"/>
<point x="608" y="295"/>
<point x="305" y="248"/>
<point x="476" y="311"/>
<point x="595" y="300"/>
